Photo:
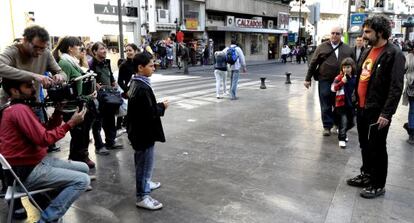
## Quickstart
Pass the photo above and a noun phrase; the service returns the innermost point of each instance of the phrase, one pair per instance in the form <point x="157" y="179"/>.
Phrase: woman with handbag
<point x="408" y="95"/>
<point x="66" y="54"/>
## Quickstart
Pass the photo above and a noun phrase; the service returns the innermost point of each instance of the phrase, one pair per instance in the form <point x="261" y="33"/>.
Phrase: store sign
<point x="191" y="23"/>
<point x="113" y="10"/>
<point x="249" y="23"/>
<point x="358" y="19"/>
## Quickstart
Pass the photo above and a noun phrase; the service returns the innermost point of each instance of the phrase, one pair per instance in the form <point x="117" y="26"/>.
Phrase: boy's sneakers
<point x="149" y="203"/>
<point x="371" y="192"/>
<point x="342" y="144"/>
<point x="154" y="185"/>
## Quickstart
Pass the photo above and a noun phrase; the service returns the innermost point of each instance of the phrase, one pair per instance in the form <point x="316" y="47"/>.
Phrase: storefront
<point x="257" y="37"/>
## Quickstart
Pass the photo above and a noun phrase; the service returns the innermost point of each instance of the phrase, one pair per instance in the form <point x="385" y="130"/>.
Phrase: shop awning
<point x="246" y="30"/>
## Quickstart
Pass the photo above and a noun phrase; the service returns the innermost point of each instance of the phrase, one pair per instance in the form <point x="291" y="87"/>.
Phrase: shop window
<point x="191" y="15"/>
<point x="111" y="42"/>
<point x="390" y="5"/>
<point x="256" y="46"/>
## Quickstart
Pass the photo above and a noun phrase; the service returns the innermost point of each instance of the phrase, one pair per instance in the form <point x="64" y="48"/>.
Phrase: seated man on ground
<point x="24" y="141"/>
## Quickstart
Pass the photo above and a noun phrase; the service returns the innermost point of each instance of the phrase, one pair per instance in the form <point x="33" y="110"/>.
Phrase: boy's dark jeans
<point x="373" y="149"/>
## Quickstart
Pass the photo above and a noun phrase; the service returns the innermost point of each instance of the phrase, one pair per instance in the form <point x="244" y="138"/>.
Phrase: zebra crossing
<point x="192" y="91"/>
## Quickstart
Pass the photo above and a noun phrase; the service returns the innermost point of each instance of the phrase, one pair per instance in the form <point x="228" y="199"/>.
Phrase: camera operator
<point x="30" y="59"/>
<point x="24" y="141"/>
<point x="27" y="61"/>
<point x="66" y="53"/>
<point x="106" y="117"/>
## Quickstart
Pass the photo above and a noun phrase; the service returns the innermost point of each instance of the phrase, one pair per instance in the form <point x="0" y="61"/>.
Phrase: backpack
<point x="231" y="56"/>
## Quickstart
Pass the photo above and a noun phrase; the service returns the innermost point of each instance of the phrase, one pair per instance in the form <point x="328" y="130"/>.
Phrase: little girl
<point x="344" y="86"/>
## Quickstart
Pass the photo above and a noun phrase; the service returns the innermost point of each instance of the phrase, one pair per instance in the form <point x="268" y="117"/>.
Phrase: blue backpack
<point x="231" y="55"/>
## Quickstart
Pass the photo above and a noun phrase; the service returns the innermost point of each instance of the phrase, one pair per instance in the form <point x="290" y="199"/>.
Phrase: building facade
<point x="260" y="27"/>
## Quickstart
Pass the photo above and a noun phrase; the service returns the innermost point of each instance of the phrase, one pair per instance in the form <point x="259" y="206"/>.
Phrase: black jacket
<point x="144" y="123"/>
<point x="126" y="70"/>
<point x="386" y="82"/>
<point x="328" y="67"/>
<point x="355" y="53"/>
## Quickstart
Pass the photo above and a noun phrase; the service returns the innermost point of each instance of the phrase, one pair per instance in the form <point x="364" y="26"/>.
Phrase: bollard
<point x="263" y="85"/>
<point x="288" y="78"/>
<point x="185" y="67"/>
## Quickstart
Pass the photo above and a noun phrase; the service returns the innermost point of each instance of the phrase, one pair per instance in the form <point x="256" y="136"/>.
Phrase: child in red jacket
<point x="344" y="86"/>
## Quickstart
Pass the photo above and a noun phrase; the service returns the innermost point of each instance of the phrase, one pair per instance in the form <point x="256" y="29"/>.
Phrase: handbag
<point x="321" y="60"/>
<point x="109" y="99"/>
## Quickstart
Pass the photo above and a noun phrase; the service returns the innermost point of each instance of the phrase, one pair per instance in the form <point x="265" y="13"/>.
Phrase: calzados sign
<point x="249" y="23"/>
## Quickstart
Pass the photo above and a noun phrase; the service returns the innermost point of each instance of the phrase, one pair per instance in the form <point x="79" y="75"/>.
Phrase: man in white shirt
<point x="235" y="68"/>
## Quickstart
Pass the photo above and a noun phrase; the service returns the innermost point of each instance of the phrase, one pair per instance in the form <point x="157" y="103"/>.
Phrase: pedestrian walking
<point x="285" y="53"/>
<point x="235" y="57"/>
<point x="144" y="129"/>
<point x="380" y="79"/>
<point x="324" y="66"/>
<point x="220" y="72"/>
<point x="344" y="86"/>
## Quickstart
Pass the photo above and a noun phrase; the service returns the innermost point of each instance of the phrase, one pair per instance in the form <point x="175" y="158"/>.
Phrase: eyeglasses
<point x="336" y="33"/>
<point x="38" y="48"/>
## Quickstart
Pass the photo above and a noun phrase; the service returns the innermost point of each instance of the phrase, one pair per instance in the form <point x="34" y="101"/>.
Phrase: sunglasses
<point x="335" y="33"/>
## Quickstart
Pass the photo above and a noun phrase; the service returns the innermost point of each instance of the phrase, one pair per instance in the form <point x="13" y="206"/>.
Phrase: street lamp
<point x="300" y="15"/>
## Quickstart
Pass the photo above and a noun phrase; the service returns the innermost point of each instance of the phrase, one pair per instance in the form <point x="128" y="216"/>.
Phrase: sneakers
<point x="149" y="203"/>
<point x="362" y="180"/>
<point x="116" y="146"/>
<point x="120" y="132"/>
<point x="342" y="144"/>
<point x="371" y="192"/>
<point x="89" y="188"/>
<point x="102" y="151"/>
<point x="326" y="132"/>
<point x="335" y="129"/>
<point x="154" y="185"/>
<point x="92" y="177"/>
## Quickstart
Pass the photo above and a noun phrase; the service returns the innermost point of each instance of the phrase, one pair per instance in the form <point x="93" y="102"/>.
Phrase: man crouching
<point x="24" y="141"/>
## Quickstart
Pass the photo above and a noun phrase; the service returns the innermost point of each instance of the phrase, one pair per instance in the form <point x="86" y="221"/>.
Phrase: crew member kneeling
<point x="24" y="141"/>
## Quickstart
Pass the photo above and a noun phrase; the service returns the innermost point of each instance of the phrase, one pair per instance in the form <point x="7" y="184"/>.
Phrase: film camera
<point x="68" y="94"/>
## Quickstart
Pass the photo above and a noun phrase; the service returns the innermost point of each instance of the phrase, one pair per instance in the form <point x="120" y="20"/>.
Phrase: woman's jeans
<point x="234" y="81"/>
<point x="144" y="164"/>
<point x="220" y="80"/>
<point x="411" y="113"/>
<point x="69" y="177"/>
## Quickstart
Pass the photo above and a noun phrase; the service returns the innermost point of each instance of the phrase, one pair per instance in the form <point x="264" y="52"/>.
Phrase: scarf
<point x="72" y="60"/>
<point x="142" y="78"/>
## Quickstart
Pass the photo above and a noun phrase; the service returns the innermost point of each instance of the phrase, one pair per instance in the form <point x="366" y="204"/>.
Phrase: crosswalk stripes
<point x="189" y="92"/>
